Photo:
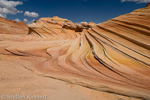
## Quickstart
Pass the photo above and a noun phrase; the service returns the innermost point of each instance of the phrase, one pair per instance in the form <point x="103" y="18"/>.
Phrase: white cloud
<point x="84" y="22"/>
<point x="17" y="20"/>
<point x="138" y="1"/>
<point x="6" y="11"/>
<point x="3" y="15"/>
<point x="9" y="4"/>
<point x="9" y="7"/>
<point x="25" y="20"/>
<point x="31" y="14"/>
<point x="30" y="22"/>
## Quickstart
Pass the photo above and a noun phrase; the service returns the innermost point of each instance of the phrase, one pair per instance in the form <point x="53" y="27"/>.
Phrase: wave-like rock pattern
<point x="113" y="56"/>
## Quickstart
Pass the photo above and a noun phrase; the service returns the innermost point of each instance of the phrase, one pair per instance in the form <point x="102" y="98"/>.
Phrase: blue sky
<point x="96" y="11"/>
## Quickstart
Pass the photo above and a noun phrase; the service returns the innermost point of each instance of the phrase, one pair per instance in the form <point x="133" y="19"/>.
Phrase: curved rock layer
<point x="11" y="27"/>
<point x="113" y="56"/>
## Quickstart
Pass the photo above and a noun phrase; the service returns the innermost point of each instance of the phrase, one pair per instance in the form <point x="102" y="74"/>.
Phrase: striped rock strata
<point x="12" y="27"/>
<point x="112" y="57"/>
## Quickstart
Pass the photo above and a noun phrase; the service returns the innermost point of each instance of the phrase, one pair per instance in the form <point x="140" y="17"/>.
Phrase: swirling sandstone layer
<point x="112" y="57"/>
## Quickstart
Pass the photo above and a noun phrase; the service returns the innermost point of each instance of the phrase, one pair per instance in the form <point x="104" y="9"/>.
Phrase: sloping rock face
<point x="11" y="27"/>
<point x="148" y="5"/>
<point x="112" y="57"/>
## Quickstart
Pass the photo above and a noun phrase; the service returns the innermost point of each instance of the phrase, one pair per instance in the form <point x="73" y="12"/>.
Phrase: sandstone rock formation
<point x="148" y="5"/>
<point x="56" y="22"/>
<point x="111" y="57"/>
<point x="12" y="27"/>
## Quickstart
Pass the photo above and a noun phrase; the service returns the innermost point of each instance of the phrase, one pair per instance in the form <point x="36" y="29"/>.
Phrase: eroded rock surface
<point x="60" y="23"/>
<point x="12" y="27"/>
<point x="112" y="57"/>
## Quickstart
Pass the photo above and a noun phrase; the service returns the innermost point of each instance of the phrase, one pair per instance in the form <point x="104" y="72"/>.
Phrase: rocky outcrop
<point x="60" y="23"/>
<point x="12" y="27"/>
<point x="112" y="57"/>
<point x="148" y="5"/>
